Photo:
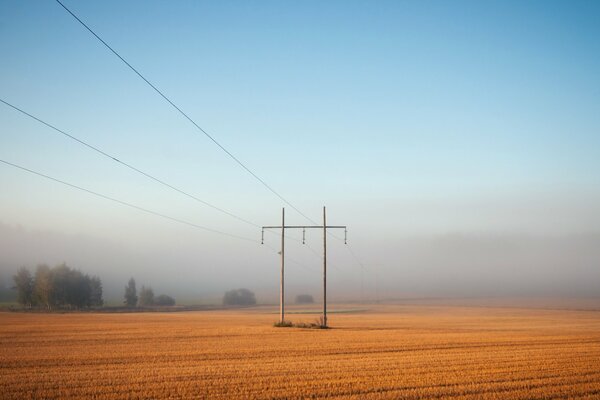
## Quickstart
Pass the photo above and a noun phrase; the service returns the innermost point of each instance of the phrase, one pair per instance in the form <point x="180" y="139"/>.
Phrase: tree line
<point x="64" y="287"/>
<point x="57" y="287"/>
<point x="239" y="297"/>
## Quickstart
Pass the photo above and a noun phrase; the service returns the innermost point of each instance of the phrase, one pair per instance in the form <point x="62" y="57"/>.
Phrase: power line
<point x="128" y="204"/>
<point x="200" y="129"/>
<point x="356" y="259"/>
<point x="312" y="250"/>
<point x="362" y="266"/>
<point x="241" y="164"/>
<point x="334" y="265"/>
<point x="96" y="149"/>
<point x="145" y="209"/>
<point x="292" y="260"/>
<point x="99" y="151"/>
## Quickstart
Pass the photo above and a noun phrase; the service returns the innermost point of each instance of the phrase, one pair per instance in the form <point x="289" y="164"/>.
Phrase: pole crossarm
<point x="306" y="227"/>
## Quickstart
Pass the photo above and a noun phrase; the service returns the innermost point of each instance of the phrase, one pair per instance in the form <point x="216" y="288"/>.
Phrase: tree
<point x="146" y="296"/>
<point x="7" y="291"/>
<point x="77" y="289"/>
<point x="239" y="297"/>
<point x="164" y="300"/>
<point x="304" y="299"/>
<point x="60" y="285"/>
<point x="96" y="292"/>
<point x="43" y="287"/>
<point x="131" y="298"/>
<point x="24" y="285"/>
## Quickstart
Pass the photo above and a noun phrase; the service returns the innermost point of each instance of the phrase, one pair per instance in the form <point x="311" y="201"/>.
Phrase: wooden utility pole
<point x="325" y="268"/>
<point x="282" y="287"/>
<point x="283" y="227"/>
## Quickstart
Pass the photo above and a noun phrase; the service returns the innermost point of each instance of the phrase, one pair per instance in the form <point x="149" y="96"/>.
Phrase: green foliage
<point x="131" y="297"/>
<point x="239" y="297"/>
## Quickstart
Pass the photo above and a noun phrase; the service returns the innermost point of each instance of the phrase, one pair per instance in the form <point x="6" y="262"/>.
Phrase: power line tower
<point x="283" y="227"/>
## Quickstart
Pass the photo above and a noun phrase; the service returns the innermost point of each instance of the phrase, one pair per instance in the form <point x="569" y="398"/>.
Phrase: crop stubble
<point x="389" y="352"/>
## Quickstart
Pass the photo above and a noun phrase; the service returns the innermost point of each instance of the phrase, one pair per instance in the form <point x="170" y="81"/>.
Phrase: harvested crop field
<point x="385" y="352"/>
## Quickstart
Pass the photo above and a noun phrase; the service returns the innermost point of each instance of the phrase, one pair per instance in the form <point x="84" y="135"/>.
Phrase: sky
<point x="450" y="128"/>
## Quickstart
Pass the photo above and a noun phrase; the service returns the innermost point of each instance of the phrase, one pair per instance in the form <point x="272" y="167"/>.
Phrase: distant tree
<point x="60" y="285"/>
<point x="131" y="298"/>
<point x="304" y="299"/>
<point x="43" y="287"/>
<point x="7" y="290"/>
<point x="239" y="297"/>
<point x="24" y="285"/>
<point x="78" y="289"/>
<point x="70" y="287"/>
<point x="146" y="296"/>
<point x="96" y="292"/>
<point x="164" y="300"/>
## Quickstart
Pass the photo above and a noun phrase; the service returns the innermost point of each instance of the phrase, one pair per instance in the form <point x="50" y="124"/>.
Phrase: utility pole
<point x="281" y="286"/>
<point x="325" y="268"/>
<point x="283" y="227"/>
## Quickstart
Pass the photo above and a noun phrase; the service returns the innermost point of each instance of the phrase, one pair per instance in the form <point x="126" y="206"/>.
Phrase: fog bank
<point x="455" y="265"/>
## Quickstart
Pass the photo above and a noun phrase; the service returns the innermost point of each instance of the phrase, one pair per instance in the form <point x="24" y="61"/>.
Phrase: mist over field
<point x="443" y="265"/>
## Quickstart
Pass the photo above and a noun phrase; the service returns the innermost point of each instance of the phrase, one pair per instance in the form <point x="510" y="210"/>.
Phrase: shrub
<point x="164" y="300"/>
<point x="317" y="324"/>
<point x="304" y="299"/>
<point x="239" y="297"/>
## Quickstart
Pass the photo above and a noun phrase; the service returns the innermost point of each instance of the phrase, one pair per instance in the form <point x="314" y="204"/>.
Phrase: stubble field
<point x="387" y="352"/>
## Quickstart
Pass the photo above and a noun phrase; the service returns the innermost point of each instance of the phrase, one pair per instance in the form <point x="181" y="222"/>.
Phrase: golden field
<point x="385" y="352"/>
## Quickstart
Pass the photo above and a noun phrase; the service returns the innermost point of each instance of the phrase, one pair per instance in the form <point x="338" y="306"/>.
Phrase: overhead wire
<point x="312" y="250"/>
<point x="349" y="248"/>
<point x="360" y="263"/>
<point x="128" y="165"/>
<point x="186" y="116"/>
<point x="320" y="256"/>
<point x="289" y="259"/>
<point x="139" y="208"/>
<point x="125" y="164"/>
<point x="115" y="159"/>
<point x="203" y="131"/>
<point x="127" y="204"/>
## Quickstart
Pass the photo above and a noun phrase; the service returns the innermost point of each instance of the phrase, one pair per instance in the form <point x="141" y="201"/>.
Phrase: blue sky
<point x="401" y="117"/>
